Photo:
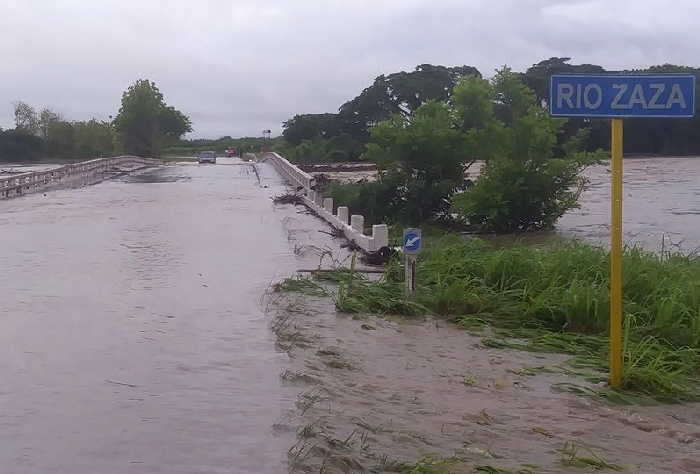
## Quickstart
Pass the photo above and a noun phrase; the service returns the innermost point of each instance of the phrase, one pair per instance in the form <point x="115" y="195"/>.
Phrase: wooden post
<point x="410" y="275"/>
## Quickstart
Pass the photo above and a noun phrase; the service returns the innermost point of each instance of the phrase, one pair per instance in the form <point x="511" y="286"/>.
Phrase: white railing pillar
<point x="304" y="182"/>
<point x="328" y="204"/>
<point x="357" y="222"/>
<point x="343" y="214"/>
<point x="380" y="234"/>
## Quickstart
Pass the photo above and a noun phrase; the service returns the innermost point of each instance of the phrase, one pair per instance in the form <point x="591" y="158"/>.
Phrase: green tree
<point x="526" y="183"/>
<point x="19" y="146"/>
<point x="310" y="127"/>
<point x="60" y="141"/>
<point x="423" y="156"/>
<point x="47" y="117"/>
<point x="399" y="93"/>
<point x="145" y="123"/>
<point x="26" y="120"/>
<point x="93" y="138"/>
<point x="537" y="76"/>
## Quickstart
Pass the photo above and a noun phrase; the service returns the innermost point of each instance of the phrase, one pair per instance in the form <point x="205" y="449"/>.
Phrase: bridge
<point x="132" y="338"/>
<point x="94" y="171"/>
<point x="74" y="174"/>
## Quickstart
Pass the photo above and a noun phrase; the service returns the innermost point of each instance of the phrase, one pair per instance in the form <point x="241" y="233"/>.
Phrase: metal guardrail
<point x="354" y="229"/>
<point x="34" y="181"/>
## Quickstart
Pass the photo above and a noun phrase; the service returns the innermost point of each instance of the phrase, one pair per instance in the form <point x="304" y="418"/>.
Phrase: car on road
<point x="206" y="157"/>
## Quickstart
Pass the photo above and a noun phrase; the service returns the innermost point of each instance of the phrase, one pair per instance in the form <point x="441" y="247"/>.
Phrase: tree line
<point x="143" y="126"/>
<point x="343" y="135"/>
<point x="190" y="147"/>
<point x="530" y="178"/>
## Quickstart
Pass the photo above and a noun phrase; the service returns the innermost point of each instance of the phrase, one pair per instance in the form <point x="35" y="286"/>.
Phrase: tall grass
<point x="565" y="287"/>
<point x="557" y="296"/>
<point x="556" y="299"/>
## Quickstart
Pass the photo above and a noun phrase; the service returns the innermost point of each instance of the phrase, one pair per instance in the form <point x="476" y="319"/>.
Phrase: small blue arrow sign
<point x="412" y="240"/>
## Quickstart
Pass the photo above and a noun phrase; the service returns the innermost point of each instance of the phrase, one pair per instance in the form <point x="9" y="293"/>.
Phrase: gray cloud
<point x="240" y="66"/>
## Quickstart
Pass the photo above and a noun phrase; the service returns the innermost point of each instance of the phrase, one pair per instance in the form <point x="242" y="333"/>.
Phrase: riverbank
<point x="661" y="205"/>
<point x="485" y="382"/>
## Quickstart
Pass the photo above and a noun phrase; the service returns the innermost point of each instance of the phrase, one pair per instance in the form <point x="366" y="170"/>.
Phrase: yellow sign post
<point x="615" y="96"/>
<point x="616" y="257"/>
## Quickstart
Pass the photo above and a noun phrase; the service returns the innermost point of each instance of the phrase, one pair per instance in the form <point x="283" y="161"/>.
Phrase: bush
<point x="18" y="146"/>
<point x="529" y="180"/>
<point x="378" y="201"/>
<point x="320" y="150"/>
<point x="511" y="195"/>
<point x="422" y="156"/>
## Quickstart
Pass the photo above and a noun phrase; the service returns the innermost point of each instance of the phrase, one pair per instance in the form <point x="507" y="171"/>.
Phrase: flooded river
<point x="661" y="205"/>
<point x="132" y="337"/>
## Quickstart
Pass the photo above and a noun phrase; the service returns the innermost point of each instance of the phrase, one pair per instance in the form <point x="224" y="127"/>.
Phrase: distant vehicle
<point x="231" y="152"/>
<point x="206" y="157"/>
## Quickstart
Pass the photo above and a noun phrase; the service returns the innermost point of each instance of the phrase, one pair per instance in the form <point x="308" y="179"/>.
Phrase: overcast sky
<point x="237" y="67"/>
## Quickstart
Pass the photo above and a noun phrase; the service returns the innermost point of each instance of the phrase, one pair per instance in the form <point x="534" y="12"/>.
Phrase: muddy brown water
<point x="132" y="337"/>
<point x="378" y="394"/>
<point x="661" y="205"/>
<point x="135" y="337"/>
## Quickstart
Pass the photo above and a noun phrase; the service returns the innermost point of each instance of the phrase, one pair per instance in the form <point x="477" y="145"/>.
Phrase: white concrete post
<point x="343" y="213"/>
<point x="380" y="234"/>
<point x="358" y="223"/>
<point x="328" y="204"/>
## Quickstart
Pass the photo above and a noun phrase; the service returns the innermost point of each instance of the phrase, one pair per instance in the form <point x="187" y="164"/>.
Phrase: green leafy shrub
<point x="528" y="180"/>
<point x="422" y="156"/>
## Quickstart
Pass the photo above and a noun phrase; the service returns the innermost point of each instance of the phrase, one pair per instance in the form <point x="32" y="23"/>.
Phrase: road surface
<point x="132" y="337"/>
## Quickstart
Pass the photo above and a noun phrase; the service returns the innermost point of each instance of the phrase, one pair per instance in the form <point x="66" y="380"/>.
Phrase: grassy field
<point x="555" y="298"/>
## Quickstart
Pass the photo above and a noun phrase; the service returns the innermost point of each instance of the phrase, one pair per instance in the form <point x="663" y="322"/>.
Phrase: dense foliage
<point x="341" y="136"/>
<point x="48" y="134"/>
<point x="642" y="136"/>
<point x="376" y="201"/>
<point x="145" y="123"/>
<point x="404" y="92"/>
<point x="18" y="146"/>
<point x="527" y="182"/>
<point x="422" y="157"/>
<point x="311" y="127"/>
<point x="338" y="148"/>
<point x="190" y="147"/>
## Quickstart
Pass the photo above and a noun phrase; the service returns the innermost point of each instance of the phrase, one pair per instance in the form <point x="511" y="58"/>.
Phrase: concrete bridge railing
<point x="70" y="174"/>
<point x="352" y="225"/>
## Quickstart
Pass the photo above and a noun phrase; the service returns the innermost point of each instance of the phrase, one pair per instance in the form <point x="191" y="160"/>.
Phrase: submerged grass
<point x="431" y="464"/>
<point x="551" y="299"/>
<point x="555" y="299"/>
<point x="302" y="285"/>
<point x="589" y="460"/>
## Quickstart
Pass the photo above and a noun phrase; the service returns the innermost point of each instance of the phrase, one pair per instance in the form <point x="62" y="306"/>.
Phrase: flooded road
<point x="132" y="337"/>
<point x="661" y="204"/>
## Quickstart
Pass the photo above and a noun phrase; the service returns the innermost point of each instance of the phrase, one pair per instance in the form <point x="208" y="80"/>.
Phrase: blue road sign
<point x="622" y="95"/>
<point x="411" y="240"/>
